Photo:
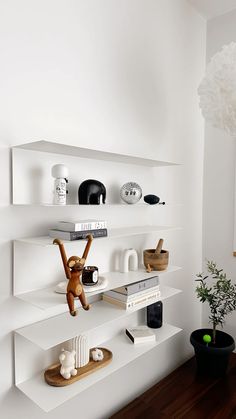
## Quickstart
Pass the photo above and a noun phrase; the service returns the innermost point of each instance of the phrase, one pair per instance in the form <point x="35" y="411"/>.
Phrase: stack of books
<point x="78" y="230"/>
<point x="133" y="295"/>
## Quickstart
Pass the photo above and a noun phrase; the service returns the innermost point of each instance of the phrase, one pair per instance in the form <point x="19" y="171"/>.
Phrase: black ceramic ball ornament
<point x="153" y="200"/>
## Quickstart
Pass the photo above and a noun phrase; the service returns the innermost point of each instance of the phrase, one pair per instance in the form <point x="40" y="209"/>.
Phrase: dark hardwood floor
<point x="184" y="395"/>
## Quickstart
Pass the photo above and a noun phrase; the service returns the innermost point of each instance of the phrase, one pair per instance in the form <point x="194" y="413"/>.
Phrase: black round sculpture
<point x="152" y="200"/>
<point x="90" y="192"/>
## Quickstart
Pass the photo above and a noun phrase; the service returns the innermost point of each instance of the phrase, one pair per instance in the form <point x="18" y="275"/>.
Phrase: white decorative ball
<point x="97" y="354"/>
<point x="131" y="193"/>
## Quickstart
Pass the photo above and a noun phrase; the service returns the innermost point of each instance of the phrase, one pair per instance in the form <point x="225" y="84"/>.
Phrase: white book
<point x="82" y="225"/>
<point x="140" y="334"/>
<point x="135" y="302"/>
<point x="77" y="235"/>
<point x="138" y="286"/>
<point x="128" y="298"/>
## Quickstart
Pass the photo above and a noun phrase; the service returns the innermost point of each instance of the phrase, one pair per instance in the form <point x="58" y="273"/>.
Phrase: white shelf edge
<point x="71" y="150"/>
<point x="55" y="330"/>
<point x="141" y="204"/>
<point x="138" y="205"/>
<point x="124" y="352"/>
<point x="47" y="298"/>
<point x="114" y="233"/>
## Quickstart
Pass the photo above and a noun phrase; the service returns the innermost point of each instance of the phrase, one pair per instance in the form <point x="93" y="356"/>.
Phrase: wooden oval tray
<point x="53" y="377"/>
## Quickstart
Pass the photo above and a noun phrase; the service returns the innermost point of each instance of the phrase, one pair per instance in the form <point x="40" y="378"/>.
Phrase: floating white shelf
<point x="121" y="205"/>
<point x="107" y="204"/>
<point x="30" y="169"/>
<point x="55" y="330"/>
<point x="113" y="233"/>
<point x="124" y="352"/>
<point x="70" y="150"/>
<point x="47" y="298"/>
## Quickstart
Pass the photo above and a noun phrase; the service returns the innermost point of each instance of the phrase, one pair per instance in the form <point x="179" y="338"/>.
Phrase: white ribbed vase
<point x="81" y="351"/>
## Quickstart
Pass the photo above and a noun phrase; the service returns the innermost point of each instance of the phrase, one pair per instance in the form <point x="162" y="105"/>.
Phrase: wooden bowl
<point x="157" y="261"/>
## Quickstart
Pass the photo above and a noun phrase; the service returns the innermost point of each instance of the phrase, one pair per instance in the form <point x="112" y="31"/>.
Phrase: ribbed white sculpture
<point x="81" y="351"/>
<point x="129" y="260"/>
<point x="217" y="90"/>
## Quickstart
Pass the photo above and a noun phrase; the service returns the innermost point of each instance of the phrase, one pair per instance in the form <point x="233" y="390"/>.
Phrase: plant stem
<point x="214" y="334"/>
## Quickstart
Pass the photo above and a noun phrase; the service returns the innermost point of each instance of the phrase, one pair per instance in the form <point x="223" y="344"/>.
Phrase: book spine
<point x="127" y="298"/>
<point x="134" y="303"/>
<point x="139" y="286"/>
<point x="77" y="235"/>
<point x="140" y="339"/>
<point x="144" y="299"/>
<point x="96" y="225"/>
<point x="83" y="226"/>
<point x="129" y="335"/>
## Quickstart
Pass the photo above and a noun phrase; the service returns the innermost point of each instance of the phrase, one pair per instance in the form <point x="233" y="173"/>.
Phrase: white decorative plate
<point x="101" y="284"/>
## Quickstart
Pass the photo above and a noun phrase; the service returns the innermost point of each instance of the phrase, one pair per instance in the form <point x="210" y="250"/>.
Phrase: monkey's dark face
<point x="75" y="263"/>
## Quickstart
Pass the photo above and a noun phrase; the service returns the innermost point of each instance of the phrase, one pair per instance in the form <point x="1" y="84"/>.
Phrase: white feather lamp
<point x="217" y="93"/>
<point x="217" y="90"/>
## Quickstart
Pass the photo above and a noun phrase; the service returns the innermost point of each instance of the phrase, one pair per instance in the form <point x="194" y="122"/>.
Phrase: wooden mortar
<point x="156" y="259"/>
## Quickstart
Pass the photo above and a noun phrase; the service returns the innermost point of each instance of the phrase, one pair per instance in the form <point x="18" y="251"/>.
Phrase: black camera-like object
<point x="90" y="276"/>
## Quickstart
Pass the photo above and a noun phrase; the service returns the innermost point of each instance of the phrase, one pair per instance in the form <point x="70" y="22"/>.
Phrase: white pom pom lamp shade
<point x="217" y="93"/>
<point x="217" y="90"/>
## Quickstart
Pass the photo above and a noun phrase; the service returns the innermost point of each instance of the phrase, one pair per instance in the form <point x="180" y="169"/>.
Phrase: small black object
<point x="90" y="275"/>
<point x="90" y="192"/>
<point x="154" y="315"/>
<point x="152" y="200"/>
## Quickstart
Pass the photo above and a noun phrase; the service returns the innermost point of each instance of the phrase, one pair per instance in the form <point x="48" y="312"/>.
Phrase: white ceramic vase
<point x="129" y="260"/>
<point x="81" y="351"/>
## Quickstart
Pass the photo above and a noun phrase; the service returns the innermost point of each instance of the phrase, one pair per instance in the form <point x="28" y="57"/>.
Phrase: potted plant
<point x="213" y="347"/>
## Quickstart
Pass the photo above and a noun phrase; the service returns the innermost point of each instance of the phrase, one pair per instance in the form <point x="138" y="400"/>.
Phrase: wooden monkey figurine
<point x="73" y="269"/>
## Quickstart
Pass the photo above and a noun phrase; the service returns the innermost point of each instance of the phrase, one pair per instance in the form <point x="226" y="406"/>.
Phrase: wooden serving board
<point x="53" y="377"/>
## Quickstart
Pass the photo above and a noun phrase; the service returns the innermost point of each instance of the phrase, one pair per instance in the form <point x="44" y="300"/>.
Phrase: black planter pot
<point x="212" y="360"/>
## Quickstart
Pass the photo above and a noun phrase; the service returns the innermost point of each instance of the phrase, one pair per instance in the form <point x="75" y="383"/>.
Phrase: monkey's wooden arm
<point x="63" y="256"/>
<point x="88" y="245"/>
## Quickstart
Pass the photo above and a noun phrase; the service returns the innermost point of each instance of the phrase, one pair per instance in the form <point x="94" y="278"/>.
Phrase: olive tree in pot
<point x="213" y="347"/>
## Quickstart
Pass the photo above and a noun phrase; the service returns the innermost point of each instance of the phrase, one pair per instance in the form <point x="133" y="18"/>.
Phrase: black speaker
<point x="154" y="315"/>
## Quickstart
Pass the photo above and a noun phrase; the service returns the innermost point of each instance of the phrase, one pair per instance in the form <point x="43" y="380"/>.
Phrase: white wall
<point x="119" y="76"/>
<point x="219" y="176"/>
